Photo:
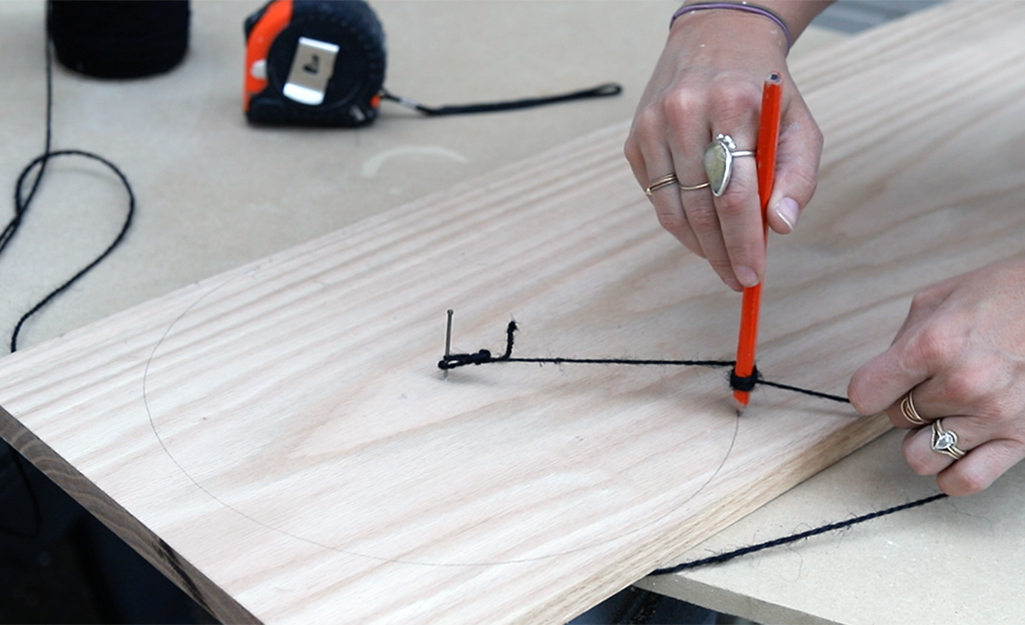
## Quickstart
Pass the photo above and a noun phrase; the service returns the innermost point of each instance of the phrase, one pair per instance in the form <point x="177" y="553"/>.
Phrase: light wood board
<point x="279" y="441"/>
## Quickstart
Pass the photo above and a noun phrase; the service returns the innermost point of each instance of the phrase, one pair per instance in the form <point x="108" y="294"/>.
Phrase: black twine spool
<point x="119" y="38"/>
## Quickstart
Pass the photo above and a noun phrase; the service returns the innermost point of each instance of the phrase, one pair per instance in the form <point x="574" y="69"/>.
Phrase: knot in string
<point x="452" y="361"/>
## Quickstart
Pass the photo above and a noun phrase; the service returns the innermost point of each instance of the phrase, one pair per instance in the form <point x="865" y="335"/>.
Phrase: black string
<point x="831" y="527"/>
<point x="40" y="160"/>
<point x="22" y="202"/>
<point x="805" y="391"/>
<point x="601" y="91"/>
<point x="20" y="207"/>
<point x="484" y="357"/>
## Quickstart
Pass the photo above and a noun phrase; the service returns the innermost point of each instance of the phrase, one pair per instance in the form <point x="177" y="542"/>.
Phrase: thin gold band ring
<point x="670" y="179"/>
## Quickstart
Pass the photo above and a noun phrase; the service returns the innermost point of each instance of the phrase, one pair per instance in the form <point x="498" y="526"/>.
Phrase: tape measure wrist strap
<point x="601" y="91"/>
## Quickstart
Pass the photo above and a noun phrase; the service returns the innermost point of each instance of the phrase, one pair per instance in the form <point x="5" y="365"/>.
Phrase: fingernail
<point x="788" y="210"/>
<point x="746" y="276"/>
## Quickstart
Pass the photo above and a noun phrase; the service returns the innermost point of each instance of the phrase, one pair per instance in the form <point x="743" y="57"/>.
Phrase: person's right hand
<point x="709" y="80"/>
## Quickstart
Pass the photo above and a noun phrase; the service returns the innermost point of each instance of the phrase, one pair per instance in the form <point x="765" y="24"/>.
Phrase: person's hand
<point x="962" y="353"/>
<point x="709" y="80"/>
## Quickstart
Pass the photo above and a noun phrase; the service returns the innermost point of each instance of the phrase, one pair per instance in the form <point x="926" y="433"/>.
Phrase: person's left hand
<point x="962" y="352"/>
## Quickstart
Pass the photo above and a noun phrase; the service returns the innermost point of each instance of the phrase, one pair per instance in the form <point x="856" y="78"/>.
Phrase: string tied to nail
<point x="451" y="361"/>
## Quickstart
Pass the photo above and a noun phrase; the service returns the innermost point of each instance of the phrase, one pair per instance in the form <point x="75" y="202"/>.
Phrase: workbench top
<point x="215" y="193"/>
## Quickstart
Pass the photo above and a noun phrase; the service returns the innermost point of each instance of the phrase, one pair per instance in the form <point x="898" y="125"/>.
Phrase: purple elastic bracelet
<point x="736" y="6"/>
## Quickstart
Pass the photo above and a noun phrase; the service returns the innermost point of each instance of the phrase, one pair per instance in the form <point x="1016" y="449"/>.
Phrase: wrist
<point x="789" y="17"/>
<point x="727" y="36"/>
<point x="741" y="7"/>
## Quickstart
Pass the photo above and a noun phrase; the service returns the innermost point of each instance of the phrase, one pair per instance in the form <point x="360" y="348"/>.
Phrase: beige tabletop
<point x="214" y="193"/>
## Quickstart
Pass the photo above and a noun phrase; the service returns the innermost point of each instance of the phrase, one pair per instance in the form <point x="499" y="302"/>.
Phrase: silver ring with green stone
<point x="719" y="157"/>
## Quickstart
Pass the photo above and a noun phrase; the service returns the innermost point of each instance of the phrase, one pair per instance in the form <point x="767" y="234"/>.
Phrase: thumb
<point x="797" y="167"/>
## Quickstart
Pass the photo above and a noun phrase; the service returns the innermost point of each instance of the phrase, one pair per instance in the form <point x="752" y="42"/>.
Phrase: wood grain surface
<point x="279" y="441"/>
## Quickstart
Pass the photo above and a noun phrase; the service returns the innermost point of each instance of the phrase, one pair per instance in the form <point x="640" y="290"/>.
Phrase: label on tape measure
<point x="312" y="68"/>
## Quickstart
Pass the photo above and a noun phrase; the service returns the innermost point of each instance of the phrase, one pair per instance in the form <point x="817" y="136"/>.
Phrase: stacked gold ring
<point x="907" y="408"/>
<point x="664" y="181"/>
<point x="670" y="179"/>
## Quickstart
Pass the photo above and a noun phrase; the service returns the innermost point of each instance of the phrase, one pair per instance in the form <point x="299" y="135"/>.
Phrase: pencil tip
<point x="740" y="399"/>
<point x="739" y="406"/>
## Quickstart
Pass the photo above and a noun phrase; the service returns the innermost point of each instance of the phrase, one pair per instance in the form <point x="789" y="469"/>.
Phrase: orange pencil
<point x="765" y="161"/>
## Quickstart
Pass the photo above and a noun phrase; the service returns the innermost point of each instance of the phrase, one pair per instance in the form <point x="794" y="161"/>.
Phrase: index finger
<point x="883" y="380"/>
<point x="920" y="349"/>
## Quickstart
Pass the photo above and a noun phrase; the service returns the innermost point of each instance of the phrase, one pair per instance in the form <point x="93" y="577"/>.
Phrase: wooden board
<point x="279" y="441"/>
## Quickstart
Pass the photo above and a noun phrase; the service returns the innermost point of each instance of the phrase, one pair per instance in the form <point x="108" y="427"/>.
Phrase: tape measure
<point x="314" y="62"/>
<point x="322" y="62"/>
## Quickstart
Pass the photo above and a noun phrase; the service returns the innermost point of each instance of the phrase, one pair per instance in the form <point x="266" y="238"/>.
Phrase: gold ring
<point x="945" y="441"/>
<point x="907" y="408"/>
<point x="670" y="179"/>
<point x="664" y="181"/>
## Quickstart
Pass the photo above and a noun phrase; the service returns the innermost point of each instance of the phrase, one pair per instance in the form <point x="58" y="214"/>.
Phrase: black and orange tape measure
<point x="322" y="63"/>
<point x="314" y="62"/>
